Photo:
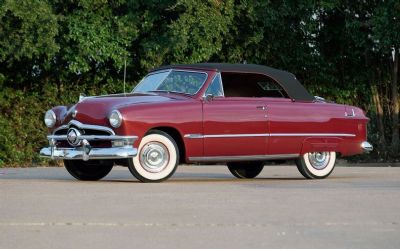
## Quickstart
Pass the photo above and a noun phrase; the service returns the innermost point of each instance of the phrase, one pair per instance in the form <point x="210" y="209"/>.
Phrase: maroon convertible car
<point x="239" y="114"/>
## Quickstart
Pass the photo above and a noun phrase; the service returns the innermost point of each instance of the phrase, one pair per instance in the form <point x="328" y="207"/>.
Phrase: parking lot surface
<point x="201" y="207"/>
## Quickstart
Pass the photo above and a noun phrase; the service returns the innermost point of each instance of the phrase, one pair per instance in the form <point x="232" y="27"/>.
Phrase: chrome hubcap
<point x="154" y="157"/>
<point x="319" y="160"/>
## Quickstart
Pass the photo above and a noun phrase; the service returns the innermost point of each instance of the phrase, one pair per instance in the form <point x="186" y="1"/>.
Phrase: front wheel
<point x="157" y="158"/>
<point x="316" y="165"/>
<point x="91" y="170"/>
<point x="245" y="169"/>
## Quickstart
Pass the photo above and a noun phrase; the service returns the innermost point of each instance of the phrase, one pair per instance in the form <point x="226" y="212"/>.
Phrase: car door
<point x="233" y="126"/>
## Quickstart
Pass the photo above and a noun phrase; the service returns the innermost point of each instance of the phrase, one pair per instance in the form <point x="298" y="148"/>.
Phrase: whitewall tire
<point x="157" y="158"/>
<point x="316" y="165"/>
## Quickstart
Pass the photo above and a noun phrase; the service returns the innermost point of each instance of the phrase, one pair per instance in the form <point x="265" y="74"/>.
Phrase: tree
<point x="386" y="32"/>
<point x="28" y="31"/>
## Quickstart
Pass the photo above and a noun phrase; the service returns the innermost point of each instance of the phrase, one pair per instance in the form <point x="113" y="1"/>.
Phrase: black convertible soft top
<point x="288" y="81"/>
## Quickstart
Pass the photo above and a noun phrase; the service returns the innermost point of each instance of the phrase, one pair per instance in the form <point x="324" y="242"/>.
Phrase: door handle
<point x="351" y="114"/>
<point x="261" y="107"/>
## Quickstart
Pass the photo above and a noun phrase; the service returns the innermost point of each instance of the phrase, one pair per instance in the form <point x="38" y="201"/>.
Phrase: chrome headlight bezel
<point x="115" y="119"/>
<point x="50" y="118"/>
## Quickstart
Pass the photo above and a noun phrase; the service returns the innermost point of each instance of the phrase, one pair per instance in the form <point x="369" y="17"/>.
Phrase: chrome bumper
<point x="366" y="147"/>
<point x="84" y="151"/>
<point x="94" y="153"/>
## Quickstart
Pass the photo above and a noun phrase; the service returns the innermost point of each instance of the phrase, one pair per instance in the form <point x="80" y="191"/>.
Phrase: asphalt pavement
<point x="201" y="207"/>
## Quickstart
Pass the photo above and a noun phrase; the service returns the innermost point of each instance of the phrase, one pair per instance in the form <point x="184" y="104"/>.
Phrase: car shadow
<point x="183" y="177"/>
<point x="122" y="176"/>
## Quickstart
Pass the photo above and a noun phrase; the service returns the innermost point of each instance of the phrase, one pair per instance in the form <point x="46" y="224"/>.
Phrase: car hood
<point x="95" y="110"/>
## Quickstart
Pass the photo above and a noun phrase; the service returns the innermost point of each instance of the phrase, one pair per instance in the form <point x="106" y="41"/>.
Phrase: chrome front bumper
<point x="366" y="147"/>
<point x="85" y="152"/>
<point x="94" y="153"/>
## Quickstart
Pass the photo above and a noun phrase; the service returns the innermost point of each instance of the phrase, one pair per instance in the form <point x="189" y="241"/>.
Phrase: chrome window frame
<point x="221" y="84"/>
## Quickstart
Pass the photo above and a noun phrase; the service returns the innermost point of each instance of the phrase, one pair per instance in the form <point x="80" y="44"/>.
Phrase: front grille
<point x="61" y="132"/>
<point x="94" y="132"/>
<point x="94" y="144"/>
<point x="89" y="130"/>
<point x="83" y="131"/>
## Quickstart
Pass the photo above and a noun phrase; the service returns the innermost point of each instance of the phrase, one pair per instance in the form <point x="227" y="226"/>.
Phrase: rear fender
<point x="315" y="144"/>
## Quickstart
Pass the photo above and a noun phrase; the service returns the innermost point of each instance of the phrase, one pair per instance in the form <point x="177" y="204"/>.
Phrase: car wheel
<point x="157" y="158"/>
<point x="91" y="170"/>
<point x="245" y="169"/>
<point x="316" y="165"/>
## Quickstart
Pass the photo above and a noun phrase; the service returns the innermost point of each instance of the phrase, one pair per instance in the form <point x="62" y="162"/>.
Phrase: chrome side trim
<point x="224" y="135"/>
<point x="311" y="135"/>
<point x="242" y="158"/>
<point x="271" y="135"/>
<point x="193" y="136"/>
<point x="85" y="126"/>
<point x="236" y="135"/>
<point x="367" y="147"/>
<point x="94" y="153"/>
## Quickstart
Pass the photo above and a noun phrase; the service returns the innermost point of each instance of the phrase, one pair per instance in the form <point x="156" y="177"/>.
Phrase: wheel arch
<point x="176" y="135"/>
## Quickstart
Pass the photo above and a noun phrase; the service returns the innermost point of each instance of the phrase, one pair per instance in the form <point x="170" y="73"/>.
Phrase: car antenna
<point x="124" y="76"/>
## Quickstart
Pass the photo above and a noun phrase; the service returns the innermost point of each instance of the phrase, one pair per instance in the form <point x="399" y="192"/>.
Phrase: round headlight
<point x="50" y="118"/>
<point x="115" y="119"/>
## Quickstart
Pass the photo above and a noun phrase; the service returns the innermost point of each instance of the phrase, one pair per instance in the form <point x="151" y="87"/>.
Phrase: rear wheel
<point x="316" y="165"/>
<point x="157" y="159"/>
<point x="91" y="170"/>
<point x="245" y="169"/>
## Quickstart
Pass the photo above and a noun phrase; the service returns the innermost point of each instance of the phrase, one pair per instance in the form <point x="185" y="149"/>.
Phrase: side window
<point x="215" y="88"/>
<point x="251" y="85"/>
<point x="272" y="89"/>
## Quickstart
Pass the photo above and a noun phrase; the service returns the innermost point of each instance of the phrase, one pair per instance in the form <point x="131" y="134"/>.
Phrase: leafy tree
<point x="51" y="50"/>
<point x="28" y="30"/>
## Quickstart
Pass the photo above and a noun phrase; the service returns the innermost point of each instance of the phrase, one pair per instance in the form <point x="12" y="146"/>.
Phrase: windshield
<point x="177" y="81"/>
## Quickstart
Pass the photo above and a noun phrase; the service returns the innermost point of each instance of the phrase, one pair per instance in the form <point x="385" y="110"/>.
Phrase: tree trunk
<point x="379" y="118"/>
<point x="395" y="104"/>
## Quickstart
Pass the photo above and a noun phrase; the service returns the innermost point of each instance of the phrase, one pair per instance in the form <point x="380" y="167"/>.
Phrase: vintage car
<point x="242" y="115"/>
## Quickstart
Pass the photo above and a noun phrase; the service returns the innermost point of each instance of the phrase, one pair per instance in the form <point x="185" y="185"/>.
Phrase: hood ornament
<point x="74" y="112"/>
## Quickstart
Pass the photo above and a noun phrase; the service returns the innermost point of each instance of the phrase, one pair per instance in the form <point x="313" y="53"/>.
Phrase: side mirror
<point x="209" y="97"/>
